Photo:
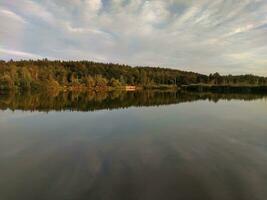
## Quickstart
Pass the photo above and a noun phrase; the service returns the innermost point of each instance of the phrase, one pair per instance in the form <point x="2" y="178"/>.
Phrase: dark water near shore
<point x="149" y="145"/>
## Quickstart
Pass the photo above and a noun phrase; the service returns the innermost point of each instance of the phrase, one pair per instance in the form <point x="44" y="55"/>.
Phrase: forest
<point x="40" y="74"/>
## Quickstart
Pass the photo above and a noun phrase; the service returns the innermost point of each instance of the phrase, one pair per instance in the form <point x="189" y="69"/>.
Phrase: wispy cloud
<point x="14" y="53"/>
<point x="12" y="15"/>
<point x="227" y="36"/>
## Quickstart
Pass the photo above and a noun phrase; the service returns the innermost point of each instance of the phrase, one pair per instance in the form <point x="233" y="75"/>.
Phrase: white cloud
<point x="12" y="15"/>
<point x="203" y="35"/>
<point x="84" y="30"/>
<point x="93" y="5"/>
<point x="34" y="11"/>
<point x="155" y="11"/>
<point x="16" y="53"/>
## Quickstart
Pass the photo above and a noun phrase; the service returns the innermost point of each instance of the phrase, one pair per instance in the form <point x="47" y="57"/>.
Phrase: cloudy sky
<point x="228" y="36"/>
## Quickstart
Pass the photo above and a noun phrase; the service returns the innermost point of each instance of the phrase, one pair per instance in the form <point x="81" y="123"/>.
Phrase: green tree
<point x="115" y="83"/>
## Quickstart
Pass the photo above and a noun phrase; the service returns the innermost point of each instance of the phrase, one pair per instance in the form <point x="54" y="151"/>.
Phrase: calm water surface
<point x="133" y="146"/>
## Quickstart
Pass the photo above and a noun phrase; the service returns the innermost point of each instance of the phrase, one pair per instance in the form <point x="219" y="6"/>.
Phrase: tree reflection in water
<point x="91" y="101"/>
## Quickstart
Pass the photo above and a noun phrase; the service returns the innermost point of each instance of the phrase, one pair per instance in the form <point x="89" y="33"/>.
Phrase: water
<point x="133" y="146"/>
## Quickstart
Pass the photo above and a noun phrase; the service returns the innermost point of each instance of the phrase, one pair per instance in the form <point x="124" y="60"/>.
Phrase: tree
<point x="115" y="83"/>
<point x="41" y="73"/>
<point x="100" y="82"/>
<point x="6" y="82"/>
<point x="90" y="82"/>
<point x="122" y="80"/>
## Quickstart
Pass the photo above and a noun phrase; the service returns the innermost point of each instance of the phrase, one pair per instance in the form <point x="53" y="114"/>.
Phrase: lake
<point x="144" y="145"/>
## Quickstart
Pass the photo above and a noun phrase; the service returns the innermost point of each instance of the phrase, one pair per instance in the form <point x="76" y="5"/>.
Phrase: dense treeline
<point x="34" y="74"/>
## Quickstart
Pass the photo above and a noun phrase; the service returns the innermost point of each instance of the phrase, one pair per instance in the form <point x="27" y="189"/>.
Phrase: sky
<point x="206" y="36"/>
